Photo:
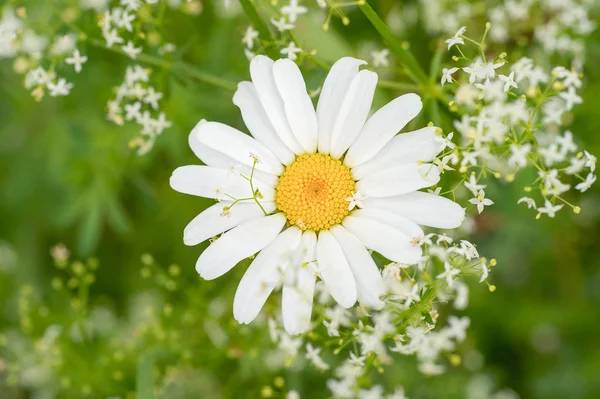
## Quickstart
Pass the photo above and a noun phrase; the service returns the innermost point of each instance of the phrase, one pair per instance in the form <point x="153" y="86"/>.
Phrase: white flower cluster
<point x="119" y="22"/>
<point x="406" y="325"/>
<point x="558" y="25"/>
<point x="31" y="51"/>
<point x="136" y="100"/>
<point x="284" y="22"/>
<point x="564" y="23"/>
<point x="515" y="120"/>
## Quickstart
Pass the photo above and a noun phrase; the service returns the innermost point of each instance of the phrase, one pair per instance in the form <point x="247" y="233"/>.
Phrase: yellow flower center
<point x="312" y="191"/>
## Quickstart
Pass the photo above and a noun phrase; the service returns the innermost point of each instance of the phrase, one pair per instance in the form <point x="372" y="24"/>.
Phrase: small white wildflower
<point x="449" y="274"/>
<point x="518" y="155"/>
<point x="77" y="60"/>
<point x="447" y="75"/>
<point x="585" y="185"/>
<point x="590" y="161"/>
<point x="249" y="36"/>
<point x="131" y="5"/>
<point x="152" y="97"/>
<point x="576" y="165"/>
<point x="509" y="81"/>
<point x="472" y="185"/>
<point x="355" y="200"/>
<point x="571" y="98"/>
<point x="529" y="201"/>
<point x="550" y="209"/>
<point x="112" y="37"/>
<point x="446" y="142"/>
<point x="293" y="10"/>
<point x="132" y="111"/>
<point x="481" y="201"/>
<point x="457" y="327"/>
<point x="291" y="50"/>
<point x="566" y="143"/>
<point x="131" y="51"/>
<point x="442" y="164"/>
<point x="456" y="39"/>
<point x="380" y="58"/>
<point x="60" y="88"/>
<point x="282" y="24"/>
<point x="161" y="123"/>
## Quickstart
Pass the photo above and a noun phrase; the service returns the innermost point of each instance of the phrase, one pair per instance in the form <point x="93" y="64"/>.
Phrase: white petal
<point x="257" y="121"/>
<point x="209" y="222"/>
<point x="423" y="208"/>
<point x="353" y="112"/>
<point x="405" y="148"/>
<point x="335" y="270"/>
<point x="399" y="179"/>
<point x="264" y="274"/>
<point x="217" y="159"/>
<point x="332" y="96"/>
<point x="297" y="296"/>
<point x="369" y="283"/>
<point x="383" y="238"/>
<point x="382" y="127"/>
<point x="261" y="71"/>
<point x="237" y="244"/>
<point x="298" y="106"/>
<point x="238" y="146"/>
<point x="209" y="182"/>
<point x="401" y="223"/>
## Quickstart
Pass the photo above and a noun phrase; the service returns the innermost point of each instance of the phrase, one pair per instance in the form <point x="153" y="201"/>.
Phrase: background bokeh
<point x="67" y="175"/>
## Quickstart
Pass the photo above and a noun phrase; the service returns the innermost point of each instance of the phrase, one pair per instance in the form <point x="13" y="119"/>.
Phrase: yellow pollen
<point x="312" y="192"/>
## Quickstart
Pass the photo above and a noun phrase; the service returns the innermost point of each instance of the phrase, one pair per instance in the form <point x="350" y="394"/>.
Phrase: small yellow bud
<point x="558" y="86"/>
<point x="279" y="382"/>
<point x="454" y="58"/>
<point x="493" y="262"/>
<point x="488" y="25"/>
<point x="492" y="288"/>
<point x="145" y="272"/>
<point x="576" y="210"/>
<point x="483" y="260"/>
<point x="539" y="215"/>
<point x="579" y="154"/>
<point x="510" y="177"/>
<point x="527" y="189"/>
<point x="497" y="175"/>
<point x="174" y="270"/>
<point x="345" y="21"/>
<point x="455" y="360"/>
<point x="147" y="259"/>
<point x="266" y="392"/>
<point x="325" y="26"/>
<point x="405" y="45"/>
<point x="168" y="309"/>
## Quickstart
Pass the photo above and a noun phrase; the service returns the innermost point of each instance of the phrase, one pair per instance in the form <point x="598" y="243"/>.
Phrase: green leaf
<point x="145" y="375"/>
<point x="260" y="26"/>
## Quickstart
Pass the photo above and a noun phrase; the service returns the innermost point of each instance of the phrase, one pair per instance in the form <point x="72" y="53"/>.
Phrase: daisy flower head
<point x="312" y="189"/>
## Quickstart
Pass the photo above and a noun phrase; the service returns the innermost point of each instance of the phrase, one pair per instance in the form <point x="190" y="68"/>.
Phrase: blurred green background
<point x="68" y="176"/>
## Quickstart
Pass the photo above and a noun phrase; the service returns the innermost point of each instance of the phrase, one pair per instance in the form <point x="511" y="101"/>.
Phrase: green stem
<point x="388" y="84"/>
<point x="260" y="26"/>
<point x="182" y="67"/>
<point x="416" y="72"/>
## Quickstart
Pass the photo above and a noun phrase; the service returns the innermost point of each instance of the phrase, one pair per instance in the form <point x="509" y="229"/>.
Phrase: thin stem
<point x="260" y="26"/>
<point x="182" y="67"/>
<point x="411" y="64"/>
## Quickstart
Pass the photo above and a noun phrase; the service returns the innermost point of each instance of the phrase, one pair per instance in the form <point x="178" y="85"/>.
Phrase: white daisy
<point x="289" y="199"/>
